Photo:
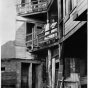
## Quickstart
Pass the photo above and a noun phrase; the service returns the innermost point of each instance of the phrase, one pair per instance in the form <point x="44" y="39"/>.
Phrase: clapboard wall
<point x="69" y="23"/>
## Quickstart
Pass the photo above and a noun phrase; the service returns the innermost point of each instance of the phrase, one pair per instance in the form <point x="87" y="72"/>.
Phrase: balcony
<point x="32" y="7"/>
<point x="42" y="39"/>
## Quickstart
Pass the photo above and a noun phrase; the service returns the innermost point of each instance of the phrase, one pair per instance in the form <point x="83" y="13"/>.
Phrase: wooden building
<point x="19" y="70"/>
<point x="55" y="32"/>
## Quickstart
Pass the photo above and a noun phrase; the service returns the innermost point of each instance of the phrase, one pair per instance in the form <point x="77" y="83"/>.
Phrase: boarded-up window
<point x="77" y="65"/>
<point x="57" y="65"/>
<point x="2" y="68"/>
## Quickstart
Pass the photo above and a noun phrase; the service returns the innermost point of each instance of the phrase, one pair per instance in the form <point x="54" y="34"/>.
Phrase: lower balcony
<point x="42" y="40"/>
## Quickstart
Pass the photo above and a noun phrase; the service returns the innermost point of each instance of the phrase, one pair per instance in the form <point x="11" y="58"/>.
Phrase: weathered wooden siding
<point x="20" y="52"/>
<point x="21" y="35"/>
<point x="9" y="65"/>
<point x="70" y="24"/>
<point x="53" y="73"/>
<point x="30" y="76"/>
<point x="20" y="43"/>
<point x="39" y="73"/>
<point x="82" y="6"/>
<point x="13" y="68"/>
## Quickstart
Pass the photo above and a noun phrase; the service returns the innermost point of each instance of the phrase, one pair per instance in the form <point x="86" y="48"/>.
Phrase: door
<point x="36" y="76"/>
<point x="38" y="33"/>
<point x="24" y="75"/>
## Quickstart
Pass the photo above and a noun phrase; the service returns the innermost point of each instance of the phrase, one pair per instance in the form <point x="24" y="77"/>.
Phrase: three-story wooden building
<point x="55" y="32"/>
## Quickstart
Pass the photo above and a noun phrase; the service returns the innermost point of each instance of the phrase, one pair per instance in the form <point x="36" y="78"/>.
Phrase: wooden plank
<point x="53" y="73"/>
<point x="30" y="76"/>
<point x="82" y="5"/>
<point x="80" y="2"/>
<point x="39" y="71"/>
<point x="83" y="9"/>
<point x="64" y="8"/>
<point x="71" y="15"/>
<point x="49" y="68"/>
<point x="9" y="78"/>
<point x="74" y="30"/>
<point x="20" y="52"/>
<point x="71" y="27"/>
<point x="21" y="35"/>
<point x="69" y="22"/>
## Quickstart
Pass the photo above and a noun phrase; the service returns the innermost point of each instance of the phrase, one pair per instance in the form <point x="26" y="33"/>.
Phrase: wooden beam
<point x="53" y="73"/>
<point x="33" y="13"/>
<point x="72" y="31"/>
<point x="49" y="68"/>
<point x="30" y="76"/>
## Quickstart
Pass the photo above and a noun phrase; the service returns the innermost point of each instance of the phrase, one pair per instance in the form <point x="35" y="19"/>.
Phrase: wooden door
<point x="37" y="76"/>
<point x="24" y="75"/>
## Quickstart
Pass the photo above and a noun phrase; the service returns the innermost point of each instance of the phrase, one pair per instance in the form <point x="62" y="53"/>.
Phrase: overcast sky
<point x="8" y="20"/>
<point x="8" y="16"/>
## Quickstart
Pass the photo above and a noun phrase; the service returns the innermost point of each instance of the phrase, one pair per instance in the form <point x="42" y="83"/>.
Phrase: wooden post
<point x="32" y="38"/>
<point x="49" y="68"/>
<point x="30" y="76"/>
<point x="58" y="19"/>
<point x="53" y="73"/>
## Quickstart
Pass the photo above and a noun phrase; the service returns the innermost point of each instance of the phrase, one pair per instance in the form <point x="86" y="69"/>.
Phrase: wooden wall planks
<point x="70" y="24"/>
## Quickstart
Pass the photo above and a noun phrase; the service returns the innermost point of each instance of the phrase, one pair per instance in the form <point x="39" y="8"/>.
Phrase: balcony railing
<point x="32" y="7"/>
<point x="41" y="38"/>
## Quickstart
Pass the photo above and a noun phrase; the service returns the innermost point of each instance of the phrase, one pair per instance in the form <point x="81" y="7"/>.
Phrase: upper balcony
<point x="25" y="7"/>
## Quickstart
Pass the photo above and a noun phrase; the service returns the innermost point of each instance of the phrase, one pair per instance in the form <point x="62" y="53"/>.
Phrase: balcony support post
<point x="49" y="68"/>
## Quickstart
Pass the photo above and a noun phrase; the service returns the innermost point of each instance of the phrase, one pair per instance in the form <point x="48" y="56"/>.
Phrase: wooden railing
<point x="44" y="37"/>
<point x="32" y="7"/>
<point x="41" y="37"/>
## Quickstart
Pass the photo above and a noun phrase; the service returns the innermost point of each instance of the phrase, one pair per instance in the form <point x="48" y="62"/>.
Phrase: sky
<point x="8" y="24"/>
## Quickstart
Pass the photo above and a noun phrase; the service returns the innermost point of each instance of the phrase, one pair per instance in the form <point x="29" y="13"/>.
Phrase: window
<point x="34" y="1"/>
<point x="2" y="68"/>
<point x="23" y="2"/>
<point x="57" y="65"/>
<point x="69" y="6"/>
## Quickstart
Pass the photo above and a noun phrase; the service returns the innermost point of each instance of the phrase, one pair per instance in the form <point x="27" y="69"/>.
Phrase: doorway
<point x="36" y="76"/>
<point x="31" y="75"/>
